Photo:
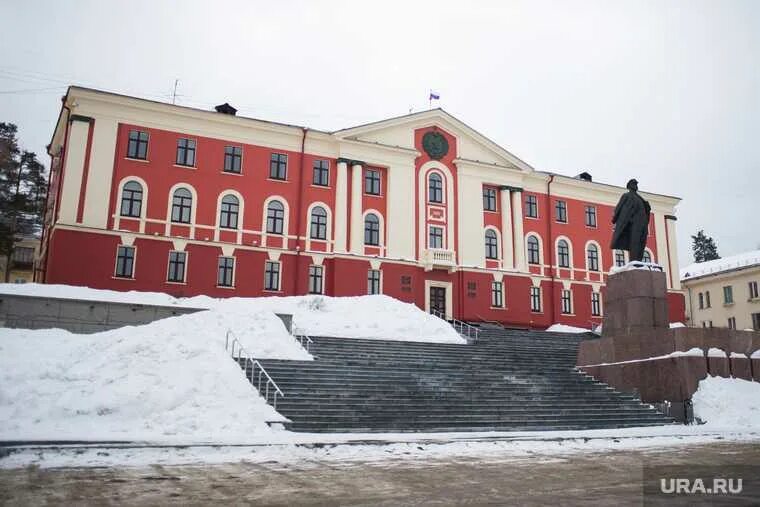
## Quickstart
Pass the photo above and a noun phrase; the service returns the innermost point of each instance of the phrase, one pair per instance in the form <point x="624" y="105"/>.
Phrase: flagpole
<point x="430" y="100"/>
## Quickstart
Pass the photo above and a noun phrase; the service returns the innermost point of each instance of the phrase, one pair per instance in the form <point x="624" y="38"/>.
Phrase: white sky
<point x="667" y="92"/>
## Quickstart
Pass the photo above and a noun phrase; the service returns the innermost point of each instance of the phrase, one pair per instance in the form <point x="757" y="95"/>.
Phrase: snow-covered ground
<point x="728" y="403"/>
<point x="371" y="317"/>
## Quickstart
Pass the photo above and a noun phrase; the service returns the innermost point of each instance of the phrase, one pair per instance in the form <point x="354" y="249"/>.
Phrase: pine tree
<point x="23" y="188"/>
<point x="704" y="247"/>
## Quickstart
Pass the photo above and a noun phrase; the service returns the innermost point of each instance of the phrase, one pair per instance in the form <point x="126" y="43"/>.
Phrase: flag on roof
<point x="434" y="96"/>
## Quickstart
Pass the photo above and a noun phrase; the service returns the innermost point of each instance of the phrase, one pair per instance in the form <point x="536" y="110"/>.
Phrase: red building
<point x="156" y="197"/>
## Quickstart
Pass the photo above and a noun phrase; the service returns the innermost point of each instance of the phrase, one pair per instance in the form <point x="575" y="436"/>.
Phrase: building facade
<point x="724" y="292"/>
<point x="23" y="261"/>
<point x="152" y="196"/>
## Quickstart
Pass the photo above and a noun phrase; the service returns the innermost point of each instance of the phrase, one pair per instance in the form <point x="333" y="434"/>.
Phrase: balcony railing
<point x="439" y="258"/>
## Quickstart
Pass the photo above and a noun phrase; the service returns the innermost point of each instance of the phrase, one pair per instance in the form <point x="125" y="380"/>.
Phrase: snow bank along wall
<point x="79" y="315"/>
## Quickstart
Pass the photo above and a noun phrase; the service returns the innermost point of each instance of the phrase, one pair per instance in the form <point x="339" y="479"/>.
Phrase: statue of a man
<point x="631" y="221"/>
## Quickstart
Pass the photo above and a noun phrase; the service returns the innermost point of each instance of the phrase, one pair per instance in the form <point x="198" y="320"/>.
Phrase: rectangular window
<point x="315" y="279"/>
<point x="561" y="208"/>
<point x="535" y="299"/>
<point x="226" y="269"/>
<point x="321" y="175"/>
<point x="372" y="182"/>
<point x="728" y="295"/>
<point x="567" y="303"/>
<point x="373" y="281"/>
<point x="489" y="199"/>
<point x="591" y="216"/>
<point x="707" y="300"/>
<point x="619" y="258"/>
<point x="23" y="255"/>
<point x="137" y="147"/>
<point x="701" y="301"/>
<point x="272" y="275"/>
<point x="531" y="206"/>
<point x="497" y="295"/>
<point x="176" y="267"/>
<point x="125" y="262"/>
<point x="753" y="290"/>
<point x="732" y="323"/>
<point x="436" y="237"/>
<point x="186" y="152"/>
<point x="278" y="166"/>
<point x="756" y="321"/>
<point x="596" y="304"/>
<point x="233" y="157"/>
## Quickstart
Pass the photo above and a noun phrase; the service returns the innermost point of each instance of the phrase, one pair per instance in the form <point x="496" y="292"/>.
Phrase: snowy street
<point x="408" y="477"/>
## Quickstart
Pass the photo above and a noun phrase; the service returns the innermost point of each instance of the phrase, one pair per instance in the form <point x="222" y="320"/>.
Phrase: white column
<point x="76" y="149"/>
<point x="341" y="207"/>
<point x="517" y="215"/>
<point x="670" y="225"/>
<point x="357" y="227"/>
<point x="400" y="202"/>
<point x="663" y="257"/>
<point x="506" y="229"/>
<point x="100" y="176"/>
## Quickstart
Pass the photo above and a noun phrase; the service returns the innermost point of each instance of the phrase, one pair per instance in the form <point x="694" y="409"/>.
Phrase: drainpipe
<point x="550" y="247"/>
<point x="299" y="207"/>
<point x="691" y="310"/>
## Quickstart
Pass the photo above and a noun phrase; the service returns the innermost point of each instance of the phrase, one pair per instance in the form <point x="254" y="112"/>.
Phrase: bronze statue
<point x="631" y="221"/>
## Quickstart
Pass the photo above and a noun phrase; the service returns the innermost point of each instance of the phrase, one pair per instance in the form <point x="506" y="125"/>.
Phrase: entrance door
<point x="438" y="300"/>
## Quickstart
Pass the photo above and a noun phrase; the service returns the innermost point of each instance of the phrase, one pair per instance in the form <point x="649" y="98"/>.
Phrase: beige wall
<point x="719" y="312"/>
<point x="19" y="275"/>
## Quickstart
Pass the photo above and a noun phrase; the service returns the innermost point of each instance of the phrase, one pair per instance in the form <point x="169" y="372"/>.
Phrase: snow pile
<point x="728" y="403"/>
<point x="371" y="317"/>
<point x="693" y="352"/>
<point x="742" y="260"/>
<point x="562" y="328"/>
<point x="674" y="325"/>
<point x="634" y="265"/>
<point x="170" y="380"/>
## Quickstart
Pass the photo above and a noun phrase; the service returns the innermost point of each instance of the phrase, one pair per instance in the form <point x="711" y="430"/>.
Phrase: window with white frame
<point x="596" y="304"/>
<point x="592" y="258"/>
<point x="176" y="272"/>
<point x="535" y="299"/>
<point x="373" y="281"/>
<point x="646" y="257"/>
<point x="732" y="323"/>
<point x="225" y="271"/>
<point x="561" y="209"/>
<point x="707" y="299"/>
<point x="125" y="262"/>
<point x="567" y="301"/>
<point x="534" y="256"/>
<point x="271" y="275"/>
<point x="321" y="176"/>
<point x="186" y="152"/>
<point x="182" y="206"/>
<point x="590" y="216"/>
<point x="315" y="279"/>
<point x="318" y="227"/>
<point x="233" y="158"/>
<point x="531" y="206"/>
<point x="563" y="254"/>
<point x="489" y="199"/>
<point x="435" y="188"/>
<point x="435" y="237"/>
<point x="131" y="199"/>
<point x="228" y="213"/>
<point x="753" y="294"/>
<point x="137" y="146"/>
<point x="371" y="230"/>
<point x="619" y="258"/>
<point x="728" y="294"/>
<point x="278" y="166"/>
<point x="275" y="217"/>
<point x="497" y="294"/>
<point x="372" y="182"/>
<point x="492" y="248"/>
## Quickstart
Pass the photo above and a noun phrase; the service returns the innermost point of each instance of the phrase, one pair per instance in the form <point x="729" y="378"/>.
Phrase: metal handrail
<point x="463" y="328"/>
<point x="302" y="338"/>
<point x="236" y="347"/>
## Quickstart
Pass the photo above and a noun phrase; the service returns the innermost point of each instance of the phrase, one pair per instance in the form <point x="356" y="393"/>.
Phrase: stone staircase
<point x="508" y="381"/>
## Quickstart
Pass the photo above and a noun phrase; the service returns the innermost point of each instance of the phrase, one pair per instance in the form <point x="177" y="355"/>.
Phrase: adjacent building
<point x="152" y="196"/>
<point x="724" y="292"/>
<point x="22" y="262"/>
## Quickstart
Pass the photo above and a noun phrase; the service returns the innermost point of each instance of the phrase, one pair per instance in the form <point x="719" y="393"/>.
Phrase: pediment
<point x="399" y="132"/>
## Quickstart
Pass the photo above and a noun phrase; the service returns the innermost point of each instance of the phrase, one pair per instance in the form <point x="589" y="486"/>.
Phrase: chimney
<point x="584" y="176"/>
<point x="226" y="109"/>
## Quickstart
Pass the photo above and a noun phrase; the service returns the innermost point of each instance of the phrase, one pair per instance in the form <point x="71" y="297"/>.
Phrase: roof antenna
<point x="174" y="93"/>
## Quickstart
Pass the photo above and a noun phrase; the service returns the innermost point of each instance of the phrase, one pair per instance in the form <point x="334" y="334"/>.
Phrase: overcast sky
<point x="667" y="92"/>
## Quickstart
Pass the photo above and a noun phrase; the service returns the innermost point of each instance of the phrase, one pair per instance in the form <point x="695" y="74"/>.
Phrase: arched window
<point x="492" y="249"/>
<point x="131" y="199"/>
<point x="182" y="205"/>
<point x="563" y="254"/>
<point x="318" y="223"/>
<point x="435" y="188"/>
<point x="592" y="257"/>
<point x="647" y="257"/>
<point x="228" y="216"/>
<point x="275" y="217"/>
<point x="533" y="251"/>
<point x="371" y="230"/>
